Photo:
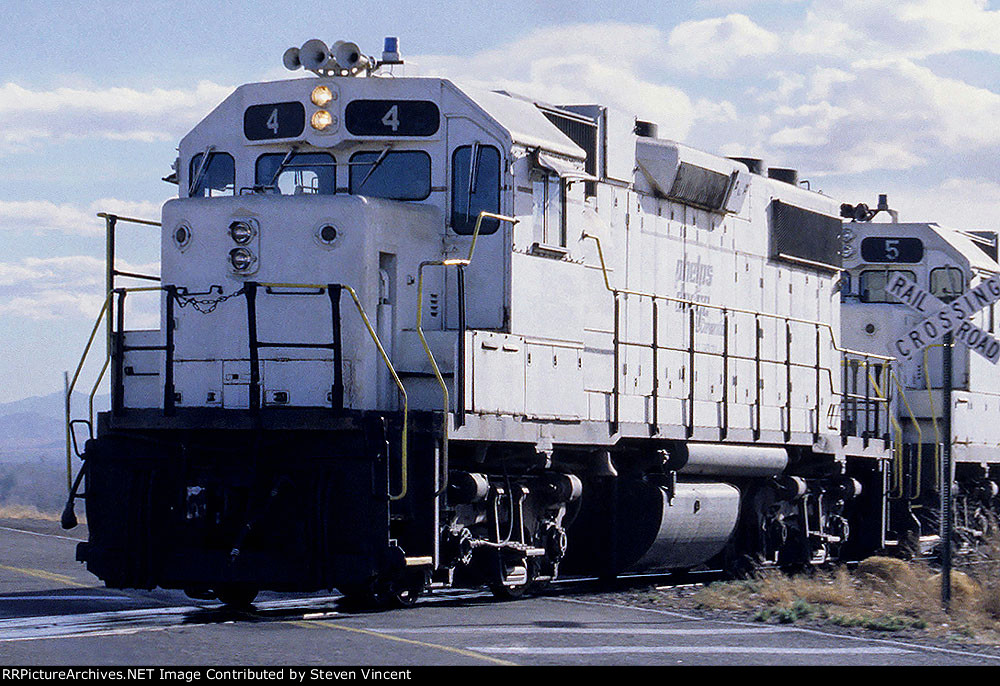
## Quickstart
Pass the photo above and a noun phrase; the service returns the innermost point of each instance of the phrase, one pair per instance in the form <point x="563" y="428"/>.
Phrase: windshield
<point x="475" y="186"/>
<point x="398" y="175"/>
<point x="304" y="172"/>
<point x="216" y="177"/>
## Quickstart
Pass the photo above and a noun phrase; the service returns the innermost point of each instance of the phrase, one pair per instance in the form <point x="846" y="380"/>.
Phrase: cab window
<point x="475" y="187"/>
<point x="216" y="177"/>
<point x="397" y="175"/>
<point x="302" y="173"/>
<point x="873" y="282"/>
<point x="947" y="282"/>
<point x="548" y="196"/>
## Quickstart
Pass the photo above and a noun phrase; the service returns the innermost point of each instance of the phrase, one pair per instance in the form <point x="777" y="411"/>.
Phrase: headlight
<point x="242" y="232"/>
<point x="321" y="120"/>
<point x="241" y="259"/>
<point x="321" y="96"/>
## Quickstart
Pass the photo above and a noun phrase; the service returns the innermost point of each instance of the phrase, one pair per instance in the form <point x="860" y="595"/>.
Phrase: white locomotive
<point x="946" y="263"/>
<point x="418" y="334"/>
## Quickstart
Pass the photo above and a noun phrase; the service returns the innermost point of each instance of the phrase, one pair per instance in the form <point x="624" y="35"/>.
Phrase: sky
<point x="862" y="96"/>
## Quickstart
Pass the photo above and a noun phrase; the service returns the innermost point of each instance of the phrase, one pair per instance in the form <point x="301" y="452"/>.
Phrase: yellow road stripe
<point x="449" y="649"/>
<point x="48" y="576"/>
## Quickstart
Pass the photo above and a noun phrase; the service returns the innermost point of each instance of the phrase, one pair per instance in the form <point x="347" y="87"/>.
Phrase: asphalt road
<point x="52" y="612"/>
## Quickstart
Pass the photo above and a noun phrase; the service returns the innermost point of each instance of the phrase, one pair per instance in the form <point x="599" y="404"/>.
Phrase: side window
<point x="216" y="177"/>
<point x="947" y="282"/>
<point x="303" y="173"/>
<point x="548" y="202"/>
<point x="402" y="175"/>
<point x="873" y="282"/>
<point x="475" y="187"/>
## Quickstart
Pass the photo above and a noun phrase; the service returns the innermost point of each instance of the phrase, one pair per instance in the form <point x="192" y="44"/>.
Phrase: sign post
<point x="947" y="321"/>
<point x="946" y="512"/>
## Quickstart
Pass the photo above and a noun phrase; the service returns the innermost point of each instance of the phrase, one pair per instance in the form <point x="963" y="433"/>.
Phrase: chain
<point x="206" y="305"/>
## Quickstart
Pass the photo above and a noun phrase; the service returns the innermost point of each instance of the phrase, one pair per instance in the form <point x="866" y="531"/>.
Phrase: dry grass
<point x="9" y="511"/>
<point x="881" y="593"/>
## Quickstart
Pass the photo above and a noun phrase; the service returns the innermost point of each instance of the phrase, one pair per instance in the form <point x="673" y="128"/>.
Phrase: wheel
<point x="403" y="590"/>
<point x="398" y="594"/>
<point x="237" y="597"/>
<point x="502" y="591"/>
<point x="514" y="583"/>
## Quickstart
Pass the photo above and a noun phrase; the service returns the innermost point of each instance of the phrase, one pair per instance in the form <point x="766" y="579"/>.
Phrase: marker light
<point x="321" y="120"/>
<point x="182" y="236"/>
<point x="241" y="232"/>
<point x="328" y="233"/>
<point x="241" y="259"/>
<point x="321" y="96"/>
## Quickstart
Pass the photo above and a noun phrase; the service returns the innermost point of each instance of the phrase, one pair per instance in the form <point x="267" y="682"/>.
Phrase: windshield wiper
<point x="281" y="167"/>
<point x="206" y="153"/>
<point x="473" y="177"/>
<point x="374" y="166"/>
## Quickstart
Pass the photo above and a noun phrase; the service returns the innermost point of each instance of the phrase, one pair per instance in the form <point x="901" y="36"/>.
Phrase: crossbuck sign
<point x="941" y="318"/>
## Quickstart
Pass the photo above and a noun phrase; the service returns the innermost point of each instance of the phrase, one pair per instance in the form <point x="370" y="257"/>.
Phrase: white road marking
<point x="35" y="533"/>
<point x="815" y="632"/>
<point x="626" y="631"/>
<point x="6" y="598"/>
<point x="621" y="650"/>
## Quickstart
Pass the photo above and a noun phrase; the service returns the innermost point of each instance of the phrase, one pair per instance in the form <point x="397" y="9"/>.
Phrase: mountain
<point x="33" y="449"/>
<point x="34" y="428"/>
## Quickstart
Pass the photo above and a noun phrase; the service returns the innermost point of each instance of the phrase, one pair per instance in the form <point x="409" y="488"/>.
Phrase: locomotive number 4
<point x="272" y="121"/>
<point x="391" y="118"/>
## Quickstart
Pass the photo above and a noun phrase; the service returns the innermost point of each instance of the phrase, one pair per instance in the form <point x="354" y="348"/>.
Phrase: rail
<point x="883" y="362"/>
<point x="459" y="379"/>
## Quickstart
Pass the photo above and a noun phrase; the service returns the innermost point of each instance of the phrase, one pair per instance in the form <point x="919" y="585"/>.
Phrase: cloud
<point x="918" y="28"/>
<point x="603" y="63"/>
<point x="716" y="46"/>
<point x="147" y="115"/>
<point x="886" y="114"/>
<point x="53" y="288"/>
<point x="42" y="216"/>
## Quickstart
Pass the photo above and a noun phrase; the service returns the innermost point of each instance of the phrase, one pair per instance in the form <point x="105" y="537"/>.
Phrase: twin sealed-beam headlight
<point x="241" y="259"/>
<point x="321" y="96"/>
<point x="242" y="232"/>
<point x="321" y="120"/>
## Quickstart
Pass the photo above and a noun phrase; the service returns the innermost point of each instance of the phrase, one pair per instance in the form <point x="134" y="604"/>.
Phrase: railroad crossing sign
<point x="942" y="318"/>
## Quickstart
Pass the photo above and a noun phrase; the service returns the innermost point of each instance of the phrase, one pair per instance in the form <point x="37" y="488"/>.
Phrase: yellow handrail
<point x="79" y="369"/>
<point x="446" y="402"/>
<point x="937" y="432"/>
<point x="898" y="442"/>
<point x="692" y="303"/>
<point x="388" y="363"/>
<point x="886" y="359"/>
<point x="920" y="439"/>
